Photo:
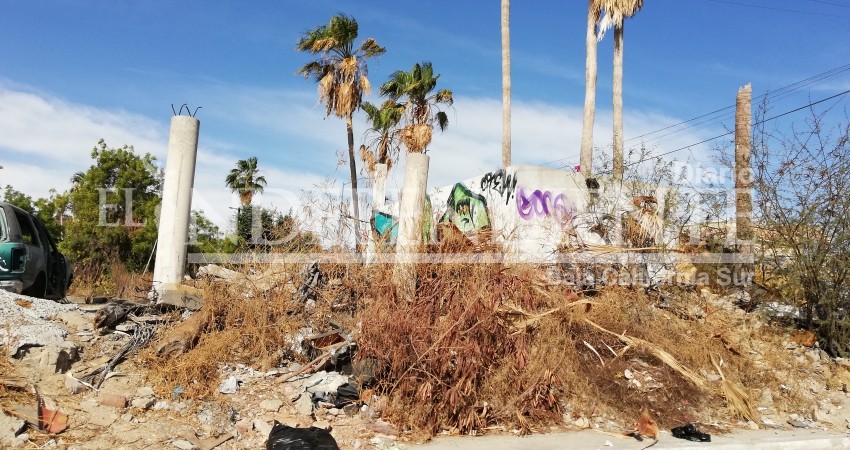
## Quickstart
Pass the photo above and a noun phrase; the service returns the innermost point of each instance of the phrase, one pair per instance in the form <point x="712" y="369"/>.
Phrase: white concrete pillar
<point x="379" y="187"/>
<point x="411" y="204"/>
<point x="176" y="204"/>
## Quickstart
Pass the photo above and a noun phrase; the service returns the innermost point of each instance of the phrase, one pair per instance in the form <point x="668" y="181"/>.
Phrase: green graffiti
<point x="467" y="211"/>
<point x="427" y="220"/>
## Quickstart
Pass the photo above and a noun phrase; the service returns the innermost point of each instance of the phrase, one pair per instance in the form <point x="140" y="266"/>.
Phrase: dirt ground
<point x="127" y="412"/>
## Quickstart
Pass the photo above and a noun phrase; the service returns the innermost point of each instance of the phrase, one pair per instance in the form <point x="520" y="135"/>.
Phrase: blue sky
<point x="73" y="72"/>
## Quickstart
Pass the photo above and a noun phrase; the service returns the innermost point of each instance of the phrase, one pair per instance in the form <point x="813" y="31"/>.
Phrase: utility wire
<point x="731" y="132"/>
<point x="780" y="9"/>
<point x="779" y="93"/>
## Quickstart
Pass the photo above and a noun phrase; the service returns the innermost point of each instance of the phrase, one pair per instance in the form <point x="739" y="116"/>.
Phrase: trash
<point x="229" y="386"/>
<point x="175" y="393"/>
<point x="115" y="313"/>
<point x="283" y="437"/>
<point x="346" y="394"/>
<point x="800" y="423"/>
<point x="46" y="419"/>
<point x="689" y="432"/>
<point x="313" y="280"/>
<point x="646" y="426"/>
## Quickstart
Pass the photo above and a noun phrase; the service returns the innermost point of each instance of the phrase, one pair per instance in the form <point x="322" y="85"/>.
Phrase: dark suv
<point x="30" y="263"/>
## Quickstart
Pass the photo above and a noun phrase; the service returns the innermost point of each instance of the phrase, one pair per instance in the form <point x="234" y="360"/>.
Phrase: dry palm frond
<point x="365" y="85"/>
<point x="368" y="157"/>
<point x="347" y="99"/>
<point x="416" y="137"/>
<point x="737" y="400"/>
<point x="325" y="84"/>
<point x="656" y="351"/>
<point x="616" y="11"/>
<point x="348" y="68"/>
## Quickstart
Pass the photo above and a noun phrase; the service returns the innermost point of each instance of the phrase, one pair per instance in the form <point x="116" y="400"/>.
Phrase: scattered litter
<point x="689" y="432"/>
<point x="229" y="385"/>
<point x="800" y="423"/>
<point x="284" y="437"/>
<point x="175" y="393"/>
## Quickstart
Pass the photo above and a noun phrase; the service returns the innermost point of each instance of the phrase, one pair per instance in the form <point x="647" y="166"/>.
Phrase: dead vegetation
<point x="490" y="346"/>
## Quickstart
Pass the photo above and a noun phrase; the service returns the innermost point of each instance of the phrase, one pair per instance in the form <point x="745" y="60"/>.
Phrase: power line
<point x="731" y="132"/>
<point x="780" y="9"/>
<point x="779" y="93"/>
<point x="830" y="3"/>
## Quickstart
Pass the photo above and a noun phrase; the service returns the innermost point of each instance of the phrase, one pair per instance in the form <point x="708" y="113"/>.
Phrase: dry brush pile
<point x="489" y="345"/>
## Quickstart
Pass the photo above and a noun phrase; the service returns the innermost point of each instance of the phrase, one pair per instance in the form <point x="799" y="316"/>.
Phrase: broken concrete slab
<point x="10" y="427"/>
<point x="216" y="271"/>
<point x="30" y="326"/>
<point x="182" y="296"/>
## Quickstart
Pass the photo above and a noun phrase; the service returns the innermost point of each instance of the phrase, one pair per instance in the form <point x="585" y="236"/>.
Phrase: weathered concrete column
<point x="743" y="170"/>
<point x="176" y="207"/>
<point x="379" y="187"/>
<point x="411" y="204"/>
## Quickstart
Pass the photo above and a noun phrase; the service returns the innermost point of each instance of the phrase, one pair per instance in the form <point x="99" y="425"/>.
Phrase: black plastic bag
<point x="690" y="433"/>
<point x="283" y="437"/>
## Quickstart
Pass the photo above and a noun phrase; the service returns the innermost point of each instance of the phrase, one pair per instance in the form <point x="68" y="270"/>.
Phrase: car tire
<point x="38" y="289"/>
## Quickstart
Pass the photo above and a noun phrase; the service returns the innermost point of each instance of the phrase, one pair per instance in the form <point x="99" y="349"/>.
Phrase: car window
<point x="30" y="236"/>
<point x="2" y="224"/>
<point x="46" y="242"/>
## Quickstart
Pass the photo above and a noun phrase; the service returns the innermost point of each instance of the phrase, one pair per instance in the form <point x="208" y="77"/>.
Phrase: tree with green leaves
<point x="341" y="73"/>
<point x="414" y="90"/>
<point x="383" y="136"/>
<point x="51" y="210"/>
<point x="245" y="179"/>
<point x="114" y="208"/>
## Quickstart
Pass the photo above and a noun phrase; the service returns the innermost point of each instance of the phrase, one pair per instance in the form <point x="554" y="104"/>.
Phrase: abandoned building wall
<point x="531" y="211"/>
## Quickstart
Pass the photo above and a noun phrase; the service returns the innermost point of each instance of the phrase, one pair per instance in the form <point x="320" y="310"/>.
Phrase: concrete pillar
<point x="411" y="204"/>
<point x="379" y="187"/>
<point x="176" y="206"/>
<point x="743" y="170"/>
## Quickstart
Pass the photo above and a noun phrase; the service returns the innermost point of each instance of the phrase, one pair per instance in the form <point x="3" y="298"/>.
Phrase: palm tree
<point x="616" y="11"/>
<point x="244" y="179"/>
<point x="383" y="143"/>
<point x="594" y="9"/>
<point x="506" y="83"/>
<point x="341" y="73"/>
<point x="414" y="91"/>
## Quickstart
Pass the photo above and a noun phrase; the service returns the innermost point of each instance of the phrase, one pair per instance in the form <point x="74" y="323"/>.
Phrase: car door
<point x="54" y="263"/>
<point x="31" y="240"/>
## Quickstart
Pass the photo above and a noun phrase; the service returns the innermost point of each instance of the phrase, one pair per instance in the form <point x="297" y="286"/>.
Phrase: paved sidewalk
<point x="743" y="440"/>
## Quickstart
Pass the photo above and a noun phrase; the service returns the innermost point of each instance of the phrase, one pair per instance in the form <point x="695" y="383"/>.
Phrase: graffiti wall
<point x="529" y="210"/>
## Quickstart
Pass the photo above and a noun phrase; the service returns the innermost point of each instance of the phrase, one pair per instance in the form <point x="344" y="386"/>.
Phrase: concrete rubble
<point x="53" y="345"/>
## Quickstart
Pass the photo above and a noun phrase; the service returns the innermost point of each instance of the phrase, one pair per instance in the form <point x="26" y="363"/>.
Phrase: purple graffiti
<point x="543" y="204"/>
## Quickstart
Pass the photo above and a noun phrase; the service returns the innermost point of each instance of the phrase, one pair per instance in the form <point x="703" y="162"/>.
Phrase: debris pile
<point x="332" y="352"/>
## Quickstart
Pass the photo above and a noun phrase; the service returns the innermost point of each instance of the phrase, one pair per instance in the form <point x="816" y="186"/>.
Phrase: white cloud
<point x="44" y="140"/>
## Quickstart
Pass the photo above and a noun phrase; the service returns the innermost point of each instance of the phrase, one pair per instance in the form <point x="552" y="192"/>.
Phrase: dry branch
<point x="656" y="351"/>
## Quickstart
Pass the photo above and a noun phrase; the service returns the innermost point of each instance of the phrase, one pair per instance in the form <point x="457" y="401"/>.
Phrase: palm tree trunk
<point x="352" y="164"/>
<point x="506" y="83"/>
<point x="586" y="156"/>
<point x="618" y="103"/>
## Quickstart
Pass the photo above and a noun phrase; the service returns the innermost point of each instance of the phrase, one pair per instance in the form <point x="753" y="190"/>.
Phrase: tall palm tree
<point x="616" y="11"/>
<point x="414" y="91"/>
<point x="594" y="9"/>
<point x="506" y="83"/>
<point x="341" y="73"/>
<point x="383" y="142"/>
<point x="244" y="179"/>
